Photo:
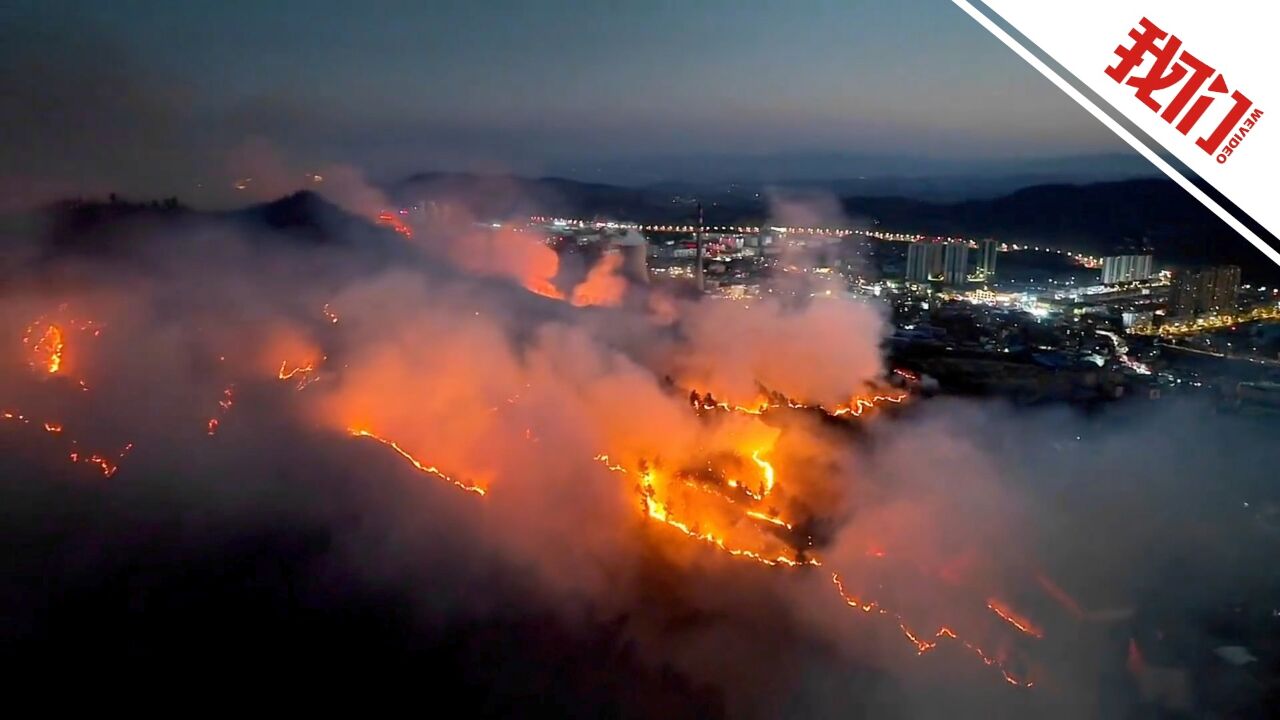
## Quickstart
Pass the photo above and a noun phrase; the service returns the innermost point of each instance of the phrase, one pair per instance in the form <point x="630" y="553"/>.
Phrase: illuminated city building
<point x="924" y="261"/>
<point x="987" y="250"/>
<point x="1204" y="291"/>
<point x="955" y="264"/>
<point x="1125" y="268"/>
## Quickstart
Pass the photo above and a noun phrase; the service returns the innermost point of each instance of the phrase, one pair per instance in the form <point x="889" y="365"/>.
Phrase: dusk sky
<point x="155" y="97"/>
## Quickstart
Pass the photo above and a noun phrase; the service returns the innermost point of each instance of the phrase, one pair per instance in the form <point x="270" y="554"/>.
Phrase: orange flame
<point x="543" y="287"/>
<point x="766" y="470"/>
<point x="856" y="406"/>
<point x="658" y="511"/>
<point x="665" y="498"/>
<point x="305" y="374"/>
<point x="771" y="519"/>
<point x="417" y="464"/>
<point x="924" y="645"/>
<point x="106" y="465"/>
<point x="50" y="347"/>
<point x="285" y="375"/>
<point x="47" y="349"/>
<point x="1018" y="621"/>
<point x="47" y="341"/>
<point x="603" y="285"/>
<point x="655" y="509"/>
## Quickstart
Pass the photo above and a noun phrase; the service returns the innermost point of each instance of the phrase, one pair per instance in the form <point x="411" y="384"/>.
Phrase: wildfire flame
<point x="766" y="471"/>
<point x="543" y="287"/>
<point x="1008" y="615"/>
<point x="106" y="465"/>
<point x="658" y="511"/>
<point x="603" y="285"/>
<point x="856" y="406"/>
<point x="655" y="508"/>
<point x="46" y="349"/>
<point x="712" y="505"/>
<point x="921" y="643"/>
<point x="46" y="342"/>
<point x="391" y="220"/>
<point x="417" y="464"/>
<point x="772" y="520"/>
<point x="49" y="349"/>
<point x="305" y="373"/>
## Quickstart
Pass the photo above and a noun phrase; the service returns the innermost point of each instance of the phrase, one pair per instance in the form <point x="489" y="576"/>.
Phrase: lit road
<point x="1085" y="260"/>
<point x="1209" y="323"/>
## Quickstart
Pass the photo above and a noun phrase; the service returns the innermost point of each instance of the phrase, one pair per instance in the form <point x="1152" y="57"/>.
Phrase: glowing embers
<point x="107" y="464"/>
<point x="925" y="643"/>
<point x="391" y="220"/>
<point x="417" y="464"/>
<point x="224" y="406"/>
<point x="704" y="506"/>
<point x="329" y="314"/>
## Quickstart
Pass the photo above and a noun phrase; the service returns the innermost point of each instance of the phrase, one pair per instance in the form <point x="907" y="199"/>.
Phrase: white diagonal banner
<point x="1194" y="77"/>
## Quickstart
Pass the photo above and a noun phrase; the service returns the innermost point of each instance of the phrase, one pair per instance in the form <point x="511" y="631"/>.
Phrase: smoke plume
<point x="420" y="450"/>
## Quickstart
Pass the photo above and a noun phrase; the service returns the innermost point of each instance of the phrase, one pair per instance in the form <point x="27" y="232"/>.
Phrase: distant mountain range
<point x="507" y="196"/>
<point x="862" y="174"/>
<point x="1098" y="218"/>
<point x="118" y="226"/>
<point x="1101" y="217"/>
<point x="944" y="181"/>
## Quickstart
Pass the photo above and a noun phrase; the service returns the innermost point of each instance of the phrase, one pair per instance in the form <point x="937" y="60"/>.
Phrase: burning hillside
<point x="619" y="451"/>
<point x="427" y="369"/>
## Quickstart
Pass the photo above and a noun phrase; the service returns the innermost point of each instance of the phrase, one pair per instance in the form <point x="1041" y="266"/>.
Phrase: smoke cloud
<point x="421" y="450"/>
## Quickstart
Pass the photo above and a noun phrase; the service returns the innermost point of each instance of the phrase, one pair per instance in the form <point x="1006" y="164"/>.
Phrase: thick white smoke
<point x="444" y="351"/>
